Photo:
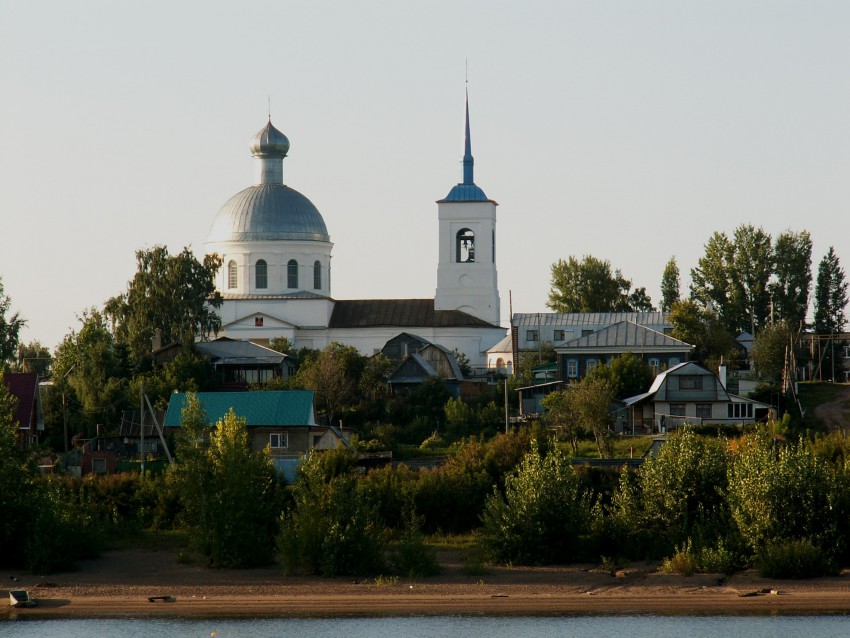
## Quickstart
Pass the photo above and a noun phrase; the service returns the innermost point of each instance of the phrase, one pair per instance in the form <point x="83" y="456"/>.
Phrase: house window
<point x="559" y="335"/>
<point x="317" y="275"/>
<point x="261" y="271"/>
<point x="591" y="364"/>
<point x="677" y="409"/>
<point x="655" y="364"/>
<point x="572" y="368"/>
<point x="279" y="441"/>
<point x="465" y="246"/>
<point x="847" y="352"/>
<point x="740" y="410"/>
<point x="532" y="335"/>
<point x="232" y="276"/>
<point x="585" y="333"/>
<point x="704" y="410"/>
<point x="292" y="274"/>
<point x="258" y="322"/>
<point x="315" y="440"/>
<point x="690" y="382"/>
<point x="98" y="466"/>
<point x="674" y="361"/>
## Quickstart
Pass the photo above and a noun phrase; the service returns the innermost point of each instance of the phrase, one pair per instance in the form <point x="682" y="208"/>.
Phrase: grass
<point x="814" y="393"/>
<point x="452" y="541"/>
<point x="622" y="447"/>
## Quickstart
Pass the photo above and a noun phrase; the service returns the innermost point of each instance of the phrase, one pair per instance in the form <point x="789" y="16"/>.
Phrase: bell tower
<point x="466" y="270"/>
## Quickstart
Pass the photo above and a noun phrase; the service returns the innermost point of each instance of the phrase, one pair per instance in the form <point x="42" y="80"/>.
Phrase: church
<point x="276" y="274"/>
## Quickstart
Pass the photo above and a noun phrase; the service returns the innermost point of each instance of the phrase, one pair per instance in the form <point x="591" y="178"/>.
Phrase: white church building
<point x="276" y="273"/>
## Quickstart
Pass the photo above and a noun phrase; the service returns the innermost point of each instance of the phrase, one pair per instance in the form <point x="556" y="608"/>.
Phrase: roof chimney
<point x="721" y="372"/>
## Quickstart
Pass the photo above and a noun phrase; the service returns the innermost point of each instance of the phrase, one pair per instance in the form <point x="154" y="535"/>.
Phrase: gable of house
<point x="29" y="414"/>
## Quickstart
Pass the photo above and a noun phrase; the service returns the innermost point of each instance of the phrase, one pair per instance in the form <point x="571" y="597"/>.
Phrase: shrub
<point x="688" y="560"/>
<point x="333" y="528"/>
<point x="230" y="494"/>
<point x="791" y="558"/>
<point x="410" y="556"/>
<point x="677" y="495"/>
<point x="542" y="516"/>
<point x="784" y="492"/>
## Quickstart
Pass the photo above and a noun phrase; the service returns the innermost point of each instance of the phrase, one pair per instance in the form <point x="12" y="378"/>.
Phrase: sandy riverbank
<point x="119" y="584"/>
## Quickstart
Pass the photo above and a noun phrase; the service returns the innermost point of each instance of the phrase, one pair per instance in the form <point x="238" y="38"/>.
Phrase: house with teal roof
<point x="284" y="421"/>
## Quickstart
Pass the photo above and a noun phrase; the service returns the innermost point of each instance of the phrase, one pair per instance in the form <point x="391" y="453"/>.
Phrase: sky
<point x="630" y="131"/>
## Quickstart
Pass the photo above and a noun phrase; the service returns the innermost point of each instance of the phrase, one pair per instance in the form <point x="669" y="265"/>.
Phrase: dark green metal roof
<point x="280" y="408"/>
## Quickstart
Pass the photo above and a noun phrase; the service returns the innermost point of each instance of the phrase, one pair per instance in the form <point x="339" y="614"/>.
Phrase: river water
<point x="444" y="627"/>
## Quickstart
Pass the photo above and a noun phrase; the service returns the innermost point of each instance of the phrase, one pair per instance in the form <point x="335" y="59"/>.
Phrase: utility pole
<point x="142" y="424"/>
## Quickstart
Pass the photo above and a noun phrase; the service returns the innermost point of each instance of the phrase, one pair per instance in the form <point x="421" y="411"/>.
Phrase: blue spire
<point x="466" y="191"/>
<point x="468" y="160"/>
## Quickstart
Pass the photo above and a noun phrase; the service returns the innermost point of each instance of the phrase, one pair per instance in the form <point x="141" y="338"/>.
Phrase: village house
<point x="689" y="393"/>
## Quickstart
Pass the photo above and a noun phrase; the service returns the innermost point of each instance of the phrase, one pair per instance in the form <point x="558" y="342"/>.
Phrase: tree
<point x="561" y="414"/>
<point x="771" y="347"/>
<point x="627" y="375"/>
<point x="10" y="328"/>
<point x="33" y="357"/>
<point x="793" y="277"/>
<point x="670" y="285"/>
<point x="675" y="496"/>
<point x="230" y="492"/>
<point x="830" y="295"/>
<point x="334" y="527"/>
<point x="174" y="295"/>
<point x="639" y="301"/>
<point x="92" y="373"/>
<point x="706" y="332"/>
<point x="732" y="277"/>
<point x="582" y="409"/>
<point x="333" y="374"/>
<point x="15" y="503"/>
<point x="787" y="493"/>
<point x="589" y="285"/>
<point x="543" y="514"/>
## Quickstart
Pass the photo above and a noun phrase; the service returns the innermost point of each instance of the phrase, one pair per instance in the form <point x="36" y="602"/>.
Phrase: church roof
<point x="399" y="313"/>
<point x="268" y="212"/>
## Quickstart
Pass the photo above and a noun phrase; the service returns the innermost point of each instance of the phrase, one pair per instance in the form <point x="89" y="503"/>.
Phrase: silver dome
<point x="268" y="212"/>
<point x="269" y="142"/>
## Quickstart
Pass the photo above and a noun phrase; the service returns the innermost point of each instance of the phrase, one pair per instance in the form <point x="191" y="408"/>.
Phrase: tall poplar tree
<point x="670" y="284"/>
<point x="733" y="276"/>
<point x="830" y="295"/>
<point x="793" y="271"/>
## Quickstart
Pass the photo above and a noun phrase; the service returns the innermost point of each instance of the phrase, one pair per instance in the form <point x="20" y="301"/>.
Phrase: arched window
<point x="232" y="277"/>
<point x="465" y="246"/>
<point x="292" y="274"/>
<point x="317" y="275"/>
<point x="262" y="274"/>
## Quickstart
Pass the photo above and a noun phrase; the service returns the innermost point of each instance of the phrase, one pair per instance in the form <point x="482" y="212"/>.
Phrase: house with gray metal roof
<point x="658" y="350"/>
<point x="283" y="421"/>
<point x="689" y="393"/>
<point x="533" y="329"/>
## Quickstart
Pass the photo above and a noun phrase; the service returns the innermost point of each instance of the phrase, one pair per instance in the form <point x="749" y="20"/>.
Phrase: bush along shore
<point x="702" y="504"/>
